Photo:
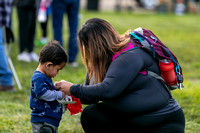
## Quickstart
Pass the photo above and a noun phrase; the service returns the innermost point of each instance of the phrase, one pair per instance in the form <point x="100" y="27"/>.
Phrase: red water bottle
<point x="167" y="71"/>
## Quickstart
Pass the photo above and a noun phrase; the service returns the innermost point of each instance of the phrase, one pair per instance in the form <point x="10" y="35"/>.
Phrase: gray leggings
<point x="43" y="127"/>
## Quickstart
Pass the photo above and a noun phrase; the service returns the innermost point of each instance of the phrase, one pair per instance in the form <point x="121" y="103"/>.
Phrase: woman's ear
<point x="48" y="65"/>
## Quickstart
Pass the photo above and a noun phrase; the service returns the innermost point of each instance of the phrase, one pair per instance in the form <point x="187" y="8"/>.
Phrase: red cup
<point x="167" y="72"/>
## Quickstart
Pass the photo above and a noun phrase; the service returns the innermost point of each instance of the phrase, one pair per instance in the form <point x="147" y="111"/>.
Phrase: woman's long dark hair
<point x="98" y="41"/>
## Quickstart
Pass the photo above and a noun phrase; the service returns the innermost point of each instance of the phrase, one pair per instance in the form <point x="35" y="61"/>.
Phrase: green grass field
<point x="180" y="33"/>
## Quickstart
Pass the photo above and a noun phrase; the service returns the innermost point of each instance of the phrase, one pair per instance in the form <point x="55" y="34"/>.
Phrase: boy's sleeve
<point x="51" y="95"/>
<point x="39" y="87"/>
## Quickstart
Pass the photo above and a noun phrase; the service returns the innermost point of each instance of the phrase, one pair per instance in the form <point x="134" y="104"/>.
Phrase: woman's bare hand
<point x="64" y="86"/>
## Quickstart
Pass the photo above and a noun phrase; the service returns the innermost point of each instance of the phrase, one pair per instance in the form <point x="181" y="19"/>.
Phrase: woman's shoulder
<point x="134" y="54"/>
<point x="135" y="58"/>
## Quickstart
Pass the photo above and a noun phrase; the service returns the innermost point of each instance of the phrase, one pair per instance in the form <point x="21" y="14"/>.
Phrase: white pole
<point x="14" y="73"/>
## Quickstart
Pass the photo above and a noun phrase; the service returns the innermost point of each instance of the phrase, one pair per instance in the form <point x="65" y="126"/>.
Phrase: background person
<point x="59" y="7"/>
<point x="43" y="13"/>
<point x="26" y="10"/>
<point x="120" y="98"/>
<point x="6" y="77"/>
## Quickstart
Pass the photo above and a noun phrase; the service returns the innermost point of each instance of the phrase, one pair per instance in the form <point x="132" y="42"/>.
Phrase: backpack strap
<point x="124" y="52"/>
<point x="146" y="44"/>
<point x="155" y="75"/>
<point x="129" y="47"/>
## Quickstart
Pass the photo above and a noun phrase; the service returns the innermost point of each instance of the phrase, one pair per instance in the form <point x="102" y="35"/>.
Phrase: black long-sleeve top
<point x="124" y="88"/>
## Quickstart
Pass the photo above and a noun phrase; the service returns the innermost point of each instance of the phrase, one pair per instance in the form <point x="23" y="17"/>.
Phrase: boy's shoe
<point x="33" y="56"/>
<point x="73" y="64"/>
<point x="24" y="56"/>
<point x="7" y="88"/>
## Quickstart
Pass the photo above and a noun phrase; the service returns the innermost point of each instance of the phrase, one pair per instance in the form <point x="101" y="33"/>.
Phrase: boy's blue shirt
<point x="50" y="110"/>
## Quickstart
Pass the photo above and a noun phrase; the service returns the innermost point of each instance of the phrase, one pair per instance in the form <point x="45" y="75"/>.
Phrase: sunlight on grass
<point x="180" y="33"/>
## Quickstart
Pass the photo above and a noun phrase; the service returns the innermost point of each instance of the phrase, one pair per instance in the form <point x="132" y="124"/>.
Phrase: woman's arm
<point x="122" y="71"/>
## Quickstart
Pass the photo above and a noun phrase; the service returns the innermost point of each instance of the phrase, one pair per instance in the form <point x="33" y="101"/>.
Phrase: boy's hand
<point x="63" y="94"/>
<point x="64" y="86"/>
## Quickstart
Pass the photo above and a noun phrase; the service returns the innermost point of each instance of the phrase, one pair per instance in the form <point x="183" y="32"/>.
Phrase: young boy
<point x="46" y="110"/>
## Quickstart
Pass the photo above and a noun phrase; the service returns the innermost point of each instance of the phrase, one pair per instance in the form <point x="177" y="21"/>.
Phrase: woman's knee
<point x="88" y="112"/>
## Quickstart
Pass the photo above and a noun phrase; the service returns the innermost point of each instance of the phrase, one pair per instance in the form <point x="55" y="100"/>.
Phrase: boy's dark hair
<point x="53" y="52"/>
